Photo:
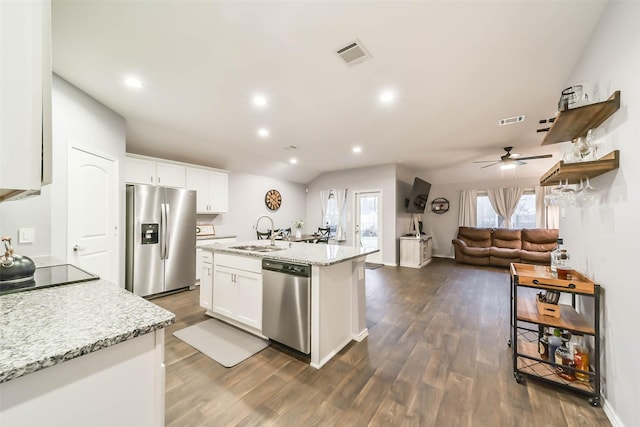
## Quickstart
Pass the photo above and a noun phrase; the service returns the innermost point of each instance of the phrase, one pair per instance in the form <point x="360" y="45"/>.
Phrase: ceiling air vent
<point x="511" y="120"/>
<point x="353" y="53"/>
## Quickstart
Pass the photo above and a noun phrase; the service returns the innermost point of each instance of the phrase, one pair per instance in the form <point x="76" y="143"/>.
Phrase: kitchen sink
<point x="258" y="248"/>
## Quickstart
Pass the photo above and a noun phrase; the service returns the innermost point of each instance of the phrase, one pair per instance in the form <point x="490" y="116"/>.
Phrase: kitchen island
<point x="81" y="354"/>
<point x="337" y="290"/>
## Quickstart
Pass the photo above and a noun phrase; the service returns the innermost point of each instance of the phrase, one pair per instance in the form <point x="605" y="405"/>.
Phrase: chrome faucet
<point x="272" y="237"/>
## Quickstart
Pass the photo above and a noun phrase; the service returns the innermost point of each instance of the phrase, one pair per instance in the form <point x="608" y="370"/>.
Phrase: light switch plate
<point x="26" y="235"/>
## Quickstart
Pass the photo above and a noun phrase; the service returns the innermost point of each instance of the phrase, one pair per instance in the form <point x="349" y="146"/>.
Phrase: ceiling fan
<point x="512" y="160"/>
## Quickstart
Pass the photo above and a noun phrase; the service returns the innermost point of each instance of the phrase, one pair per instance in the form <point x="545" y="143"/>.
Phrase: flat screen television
<point x="419" y="196"/>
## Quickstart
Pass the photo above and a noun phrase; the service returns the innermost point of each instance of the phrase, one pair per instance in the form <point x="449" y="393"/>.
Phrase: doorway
<point x="368" y="223"/>
<point x="92" y="213"/>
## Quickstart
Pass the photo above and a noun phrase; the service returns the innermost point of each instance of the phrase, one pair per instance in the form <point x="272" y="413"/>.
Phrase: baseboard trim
<point x="362" y="335"/>
<point x="611" y="414"/>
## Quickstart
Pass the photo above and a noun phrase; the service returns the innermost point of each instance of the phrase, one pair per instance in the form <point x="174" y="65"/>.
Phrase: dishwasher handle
<point x="303" y="270"/>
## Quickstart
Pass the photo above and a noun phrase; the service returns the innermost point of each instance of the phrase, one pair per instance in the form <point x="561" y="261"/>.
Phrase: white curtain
<point x="324" y="203"/>
<point x="467" y="217"/>
<point x="546" y="216"/>
<point x="504" y="201"/>
<point x="341" y="197"/>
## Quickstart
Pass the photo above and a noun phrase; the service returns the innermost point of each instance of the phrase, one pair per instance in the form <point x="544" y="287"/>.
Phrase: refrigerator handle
<point x="167" y="230"/>
<point x="163" y="231"/>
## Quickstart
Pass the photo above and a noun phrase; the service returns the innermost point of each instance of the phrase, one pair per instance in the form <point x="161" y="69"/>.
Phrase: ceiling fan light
<point x="508" y="166"/>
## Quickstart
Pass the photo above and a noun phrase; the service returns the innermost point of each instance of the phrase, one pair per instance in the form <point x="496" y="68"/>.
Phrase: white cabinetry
<point x="121" y="385"/>
<point x="170" y="175"/>
<point x="201" y="253"/>
<point x="415" y="252"/>
<point x="237" y="290"/>
<point x="211" y="188"/>
<point x="151" y="172"/>
<point x="205" y="273"/>
<point x="25" y="101"/>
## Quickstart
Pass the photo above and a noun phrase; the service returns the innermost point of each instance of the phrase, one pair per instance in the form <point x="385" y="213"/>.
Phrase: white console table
<point x="415" y="252"/>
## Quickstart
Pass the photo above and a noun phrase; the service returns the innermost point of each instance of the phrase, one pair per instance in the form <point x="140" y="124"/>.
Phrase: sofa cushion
<point x="475" y="237"/>
<point x="506" y="238"/>
<point x="539" y="239"/>
<point x="476" y="252"/>
<point x="534" y="257"/>
<point x="504" y="253"/>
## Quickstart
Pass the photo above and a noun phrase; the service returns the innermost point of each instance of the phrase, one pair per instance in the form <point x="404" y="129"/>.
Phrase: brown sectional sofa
<point x="502" y="246"/>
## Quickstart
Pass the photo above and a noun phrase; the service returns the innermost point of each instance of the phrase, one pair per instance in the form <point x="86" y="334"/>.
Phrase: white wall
<point x="79" y="119"/>
<point x="602" y="239"/>
<point x="246" y="204"/>
<point x="381" y="178"/>
<point x="444" y="227"/>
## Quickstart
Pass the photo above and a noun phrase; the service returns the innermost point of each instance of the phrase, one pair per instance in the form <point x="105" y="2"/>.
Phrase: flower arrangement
<point x="298" y="223"/>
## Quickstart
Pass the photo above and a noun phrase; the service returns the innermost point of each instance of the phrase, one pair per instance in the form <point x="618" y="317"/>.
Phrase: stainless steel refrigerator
<point x="161" y="239"/>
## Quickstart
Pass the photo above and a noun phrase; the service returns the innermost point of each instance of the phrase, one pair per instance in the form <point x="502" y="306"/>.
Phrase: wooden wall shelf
<point x="576" y="122"/>
<point x="574" y="172"/>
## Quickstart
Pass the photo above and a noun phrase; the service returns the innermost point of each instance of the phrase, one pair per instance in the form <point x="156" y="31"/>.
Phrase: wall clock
<point x="273" y="199"/>
<point x="440" y="205"/>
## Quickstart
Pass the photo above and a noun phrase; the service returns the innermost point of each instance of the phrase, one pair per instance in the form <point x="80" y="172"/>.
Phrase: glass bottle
<point x="555" y="255"/>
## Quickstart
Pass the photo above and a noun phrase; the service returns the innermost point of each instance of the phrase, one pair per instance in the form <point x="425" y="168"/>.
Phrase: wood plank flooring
<point x="436" y="355"/>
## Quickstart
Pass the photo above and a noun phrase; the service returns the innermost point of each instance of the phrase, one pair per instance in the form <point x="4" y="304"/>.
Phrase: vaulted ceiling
<point x="453" y="68"/>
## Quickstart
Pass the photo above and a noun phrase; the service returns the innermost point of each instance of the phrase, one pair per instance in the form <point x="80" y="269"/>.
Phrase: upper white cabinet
<point x="151" y="172"/>
<point x="211" y="186"/>
<point x="212" y="189"/>
<point x="25" y="97"/>
<point x="141" y="171"/>
<point x="170" y="175"/>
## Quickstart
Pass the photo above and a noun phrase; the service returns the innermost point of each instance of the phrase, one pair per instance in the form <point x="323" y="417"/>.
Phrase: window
<point x="332" y="216"/>
<point x="523" y="217"/>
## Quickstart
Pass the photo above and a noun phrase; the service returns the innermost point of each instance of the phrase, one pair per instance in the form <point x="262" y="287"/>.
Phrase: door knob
<point x="78" y="248"/>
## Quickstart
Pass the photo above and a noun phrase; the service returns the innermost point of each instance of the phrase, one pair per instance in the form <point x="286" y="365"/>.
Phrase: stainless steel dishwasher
<point x="286" y="306"/>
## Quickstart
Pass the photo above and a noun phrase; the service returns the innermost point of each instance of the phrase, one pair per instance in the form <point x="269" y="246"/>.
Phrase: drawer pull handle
<point x="570" y="285"/>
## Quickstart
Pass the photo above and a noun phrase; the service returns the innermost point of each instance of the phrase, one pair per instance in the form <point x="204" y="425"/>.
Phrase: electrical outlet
<point x="26" y="235"/>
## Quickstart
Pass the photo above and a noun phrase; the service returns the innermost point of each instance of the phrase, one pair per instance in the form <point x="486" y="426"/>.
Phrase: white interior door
<point x="93" y="213"/>
<point x="368" y="223"/>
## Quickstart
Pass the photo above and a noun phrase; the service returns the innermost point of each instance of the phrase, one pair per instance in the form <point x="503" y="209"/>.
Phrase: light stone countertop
<point x="320" y="254"/>
<point x="216" y="237"/>
<point x="44" y="327"/>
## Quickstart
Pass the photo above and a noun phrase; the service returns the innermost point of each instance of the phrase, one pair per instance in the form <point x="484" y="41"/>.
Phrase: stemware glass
<point x="586" y="196"/>
<point x="553" y="199"/>
<point x="567" y="195"/>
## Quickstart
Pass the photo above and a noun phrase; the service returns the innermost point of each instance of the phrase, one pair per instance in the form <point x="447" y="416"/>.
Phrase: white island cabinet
<point x="81" y="354"/>
<point x="237" y="290"/>
<point x="337" y="291"/>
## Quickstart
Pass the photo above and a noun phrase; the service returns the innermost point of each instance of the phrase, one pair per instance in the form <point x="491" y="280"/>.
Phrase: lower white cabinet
<point x="205" y="274"/>
<point x="237" y="289"/>
<point x="415" y="252"/>
<point x="121" y="385"/>
<point x="200" y="253"/>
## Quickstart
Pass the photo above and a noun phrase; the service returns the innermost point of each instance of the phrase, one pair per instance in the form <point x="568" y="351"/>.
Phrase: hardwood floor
<point x="436" y="356"/>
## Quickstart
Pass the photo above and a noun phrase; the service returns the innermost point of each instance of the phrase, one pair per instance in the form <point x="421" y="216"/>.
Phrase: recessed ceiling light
<point x="387" y="97"/>
<point x="357" y="150"/>
<point x="293" y="160"/>
<point x="259" y="101"/>
<point x="133" y="82"/>
<point x="263" y="132"/>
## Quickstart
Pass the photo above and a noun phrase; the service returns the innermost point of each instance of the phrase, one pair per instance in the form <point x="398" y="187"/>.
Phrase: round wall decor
<point x="440" y="205"/>
<point x="273" y="199"/>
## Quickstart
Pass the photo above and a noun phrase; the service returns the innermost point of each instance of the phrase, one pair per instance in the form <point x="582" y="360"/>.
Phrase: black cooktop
<point x="45" y="277"/>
